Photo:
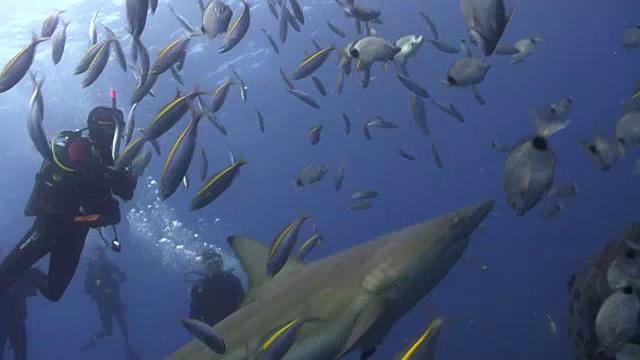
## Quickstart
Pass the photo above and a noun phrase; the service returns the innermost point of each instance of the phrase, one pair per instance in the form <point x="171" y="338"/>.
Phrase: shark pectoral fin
<point x="363" y="323"/>
<point x="253" y="258"/>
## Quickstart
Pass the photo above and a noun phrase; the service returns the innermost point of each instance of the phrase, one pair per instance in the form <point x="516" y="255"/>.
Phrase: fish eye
<point x="627" y="290"/>
<point x="592" y="149"/>
<point x="630" y="254"/>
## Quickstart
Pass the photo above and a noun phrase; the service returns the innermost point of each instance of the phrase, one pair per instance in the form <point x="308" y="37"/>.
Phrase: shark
<point x="357" y="294"/>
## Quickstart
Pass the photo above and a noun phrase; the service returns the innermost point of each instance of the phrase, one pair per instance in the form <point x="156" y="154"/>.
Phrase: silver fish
<point x="216" y="18"/>
<point x="335" y="30"/>
<point x="243" y="85"/>
<point x="18" y="66"/>
<point x="261" y="125"/>
<point x="272" y="9"/>
<point x="136" y="16"/>
<point x="431" y="24"/>
<point x="413" y="86"/>
<point x="237" y="30"/>
<point x="406" y="155"/>
<point x="93" y="33"/>
<point x="319" y="86"/>
<point x="486" y="21"/>
<point x="297" y="10"/>
<point x="506" y="50"/>
<point x="35" y="120"/>
<point x="444" y="47"/>
<point x="51" y="23"/>
<point x="477" y="95"/>
<point x="418" y="112"/>
<point x="37" y="91"/>
<point x="547" y="120"/>
<point x="118" y="53"/>
<point x="184" y="22"/>
<point x="306" y="98"/>
<point x="409" y="46"/>
<point x="339" y="180"/>
<point x="58" y="44"/>
<point x="628" y="129"/>
<point x="131" y="124"/>
<point x="204" y="165"/>
<point x="272" y="42"/>
<point x="565" y="191"/>
<point x="631" y="37"/>
<point x="283" y="25"/>
<point x="311" y="174"/>
<point x="436" y="156"/>
<point x="528" y="173"/>
<point x="176" y="75"/>
<point x="141" y="162"/>
<point x="286" y="14"/>
<point x="204" y="333"/>
<point x="616" y="322"/>
<point x="143" y="59"/>
<point x="347" y="123"/>
<point x="118" y="135"/>
<point x="361" y="205"/>
<point x="340" y="82"/>
<point x="364" y="195"/>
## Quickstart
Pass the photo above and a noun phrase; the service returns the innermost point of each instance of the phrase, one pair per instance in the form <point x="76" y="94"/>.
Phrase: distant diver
<point x="72" y="194"/>
<point x="215" y="294"/>
<point x="102" y="283"/>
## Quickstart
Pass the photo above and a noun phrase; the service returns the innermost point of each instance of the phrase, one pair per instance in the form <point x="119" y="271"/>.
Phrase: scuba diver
<point x="72" y="194"/>
<point x="102" y="283"/>
<point x="217" y="293"/>
<point x="13" y="313"/>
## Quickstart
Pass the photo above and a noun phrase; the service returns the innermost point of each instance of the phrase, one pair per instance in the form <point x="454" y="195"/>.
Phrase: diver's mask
<point x="102" y="122"/>
<point x="212" y="261"/>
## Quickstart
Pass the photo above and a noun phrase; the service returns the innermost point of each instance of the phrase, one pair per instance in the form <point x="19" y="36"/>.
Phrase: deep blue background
<point x="499" y="312"/>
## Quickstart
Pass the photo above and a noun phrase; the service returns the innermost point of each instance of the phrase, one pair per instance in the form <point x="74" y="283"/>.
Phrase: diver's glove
<point x="108" y="213"/>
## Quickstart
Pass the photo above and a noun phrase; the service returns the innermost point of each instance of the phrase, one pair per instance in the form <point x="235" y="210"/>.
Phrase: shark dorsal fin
<point x="253" y="256"/>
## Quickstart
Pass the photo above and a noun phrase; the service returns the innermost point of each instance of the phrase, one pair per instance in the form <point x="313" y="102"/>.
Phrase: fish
<point x="413" y="86"/>
<point x="205" y="334"/>
<point x="282" y="246"/>
<point x="96" y="67"/>
<point x="436" y="156"/>
<point x="312" y="63"/>
<point x="136" y="16"/>
<point x="525" y="49"/>
<point x="409" y="46"/>
<point x="204" y="165"/>
<point x="418" y="113"/>
<point x="51" y="23"/>
<point x="347" y="123"/>
<point x="176" y="75"/>
<point x="118" y="135"/>
<point x="500" y="147"/>
<point x="616" y="321"/>
<point x="319" y="86"/>
<point x="291" y="20"/>
<point x="364" y="195"/>
<point x="344" y="59"/>
<point x="553" y="328"/>
<point x="220" y="95"/>
<point x="237" y="30"/>
<point x="130" y="153"/>
<point x="406" y="155"/>
<point x="170" y="114"/>
<point x="35" y="120"/>
<point x="370" y="49"/>
<point x="314" y="134"/>
<point x="361" y="205"/>
<point x="141" y="162"/>
<point x="286" y="80"/>
<point x="339" y="180"/>
<point x="565" y="191"/>
<point x="486" y="21"/>
<point x="272" y="42"/>
<point x="216" y="18"/>
<point x="306" y="98"/>
<point x="547" y="120"/>
<point x="456" y="113"/>
<point x="431" y="24"/>
<point x="366" y="131"/>
<point x="58" y="44"/>
<point x="297" y="10"/>
<point x="424" y="347"/>
<point x="477" y="95"/>
<point x="604" y="151"/>
<point x="467" y="72"/>
<point x="143" y="59"/>
<point x="310" y="174"/>
<point x="142" y="89"/>
<point x="260" y="121"/>
<point x="551" y="211"/>
<point x="130" y="124"/>
<point x="243" y="85"/>
<point x="93" y="34"/>
<point x="217" y="184"/>
<point x="310" y="244"/>
<point x="444" y="47"/>
<point x="272" y="9"/>
<point x="628" y="129"/>
<point x="211" y="117"/>
<point x="345" y="289"/>
<point x="179" y="158"/>
<point x="360" y="12"/>
<point x="280" y="340"/>
<point x="117" y="53"/>
<point x="630" y="38"/>
<point x="336" y="30"/>
<point x="502" y="49"/>
<point x="528" y="173"/>
<point x="169" y="55"/>
<point x="88" y="57"/>
<point x="340" y="82"/>
<point x="283" y="25"/>
<point x="184" y="22"/>
<point x="18" y="66"/>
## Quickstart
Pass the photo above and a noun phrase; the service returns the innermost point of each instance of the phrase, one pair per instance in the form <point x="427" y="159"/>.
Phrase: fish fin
<point x="253" y="255"/>
<point x="231" y="156"/>
<point x="366" y="318"/>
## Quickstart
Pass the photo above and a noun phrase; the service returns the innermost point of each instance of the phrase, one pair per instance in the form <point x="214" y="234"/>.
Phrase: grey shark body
<point x="358" y="293"/>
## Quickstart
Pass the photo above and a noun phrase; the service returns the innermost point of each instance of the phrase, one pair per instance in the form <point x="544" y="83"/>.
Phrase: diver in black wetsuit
<point x="13" y="314"/>
<point x="217" y="294"/>
<point x="72" y="194"/>
<point x="102" y="283"/>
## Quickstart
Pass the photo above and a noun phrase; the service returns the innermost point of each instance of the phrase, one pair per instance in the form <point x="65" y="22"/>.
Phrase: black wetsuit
<point x="102" y="283"/>
<point x="13" y="313"/>
<point x="215" y="297"/>
<point x="62" y="196"/>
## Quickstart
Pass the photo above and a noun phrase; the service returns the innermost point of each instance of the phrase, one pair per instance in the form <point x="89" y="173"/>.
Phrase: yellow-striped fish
<point x="418" y="349"/>
<point x="283" y="245"/>
<point x="217" y="184"/>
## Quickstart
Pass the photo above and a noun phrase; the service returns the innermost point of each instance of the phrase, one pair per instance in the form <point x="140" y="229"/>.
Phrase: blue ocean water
<point x="499" y="313"/>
